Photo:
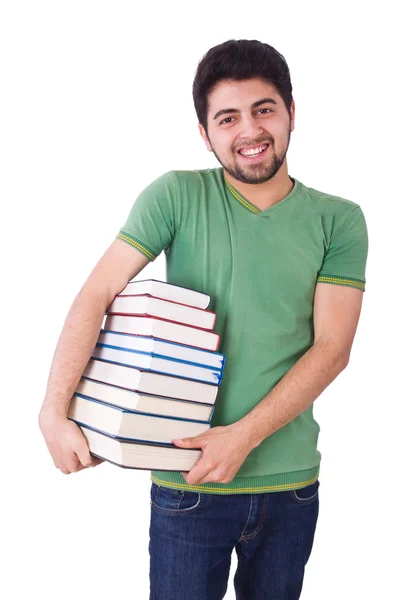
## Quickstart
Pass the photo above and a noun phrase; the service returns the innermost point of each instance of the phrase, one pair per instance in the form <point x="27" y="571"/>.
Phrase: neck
<point x="264" y="195"/>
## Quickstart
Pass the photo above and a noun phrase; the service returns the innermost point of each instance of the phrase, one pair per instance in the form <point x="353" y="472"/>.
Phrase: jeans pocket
<point x="307" y="494"/>
<point x="170" y="501"/>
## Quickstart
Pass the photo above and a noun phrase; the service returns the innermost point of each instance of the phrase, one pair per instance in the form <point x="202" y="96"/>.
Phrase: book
<point x="153" y="376"/>
<point x="158" y="347"/>
<point x="167" y="366"/>
<point x="145" y="403"/>
<point x="162" y="329"/>
<point x="149" y="382"/>
<point x="122" y="423"/>
<point x="140" y="456"/>
<point x="171" y="311"/>
<point x="167" y="291"/>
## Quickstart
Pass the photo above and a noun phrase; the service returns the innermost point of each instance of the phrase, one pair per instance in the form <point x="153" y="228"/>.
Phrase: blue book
<point x="157" y="364"/>
<point x="164" y="348"/>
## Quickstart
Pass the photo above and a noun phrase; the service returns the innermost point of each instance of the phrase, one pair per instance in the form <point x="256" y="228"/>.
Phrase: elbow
<point x="344" y="361"/>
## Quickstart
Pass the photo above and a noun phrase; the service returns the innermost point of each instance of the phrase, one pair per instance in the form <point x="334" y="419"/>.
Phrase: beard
<point x="257" y="172"/>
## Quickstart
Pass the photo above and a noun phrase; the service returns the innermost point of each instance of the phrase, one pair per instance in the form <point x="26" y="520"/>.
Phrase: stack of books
<point x="153" y="377"/>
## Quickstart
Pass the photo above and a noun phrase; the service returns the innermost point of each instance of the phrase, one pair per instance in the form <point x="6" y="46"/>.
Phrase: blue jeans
<point x="193" y="534"/>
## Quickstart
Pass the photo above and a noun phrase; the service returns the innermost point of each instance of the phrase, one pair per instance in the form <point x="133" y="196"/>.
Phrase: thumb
<point x="181" y="441"/>
<point x="188" y="442"/>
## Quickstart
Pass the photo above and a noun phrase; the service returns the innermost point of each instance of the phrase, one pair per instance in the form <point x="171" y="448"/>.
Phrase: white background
<point x="96" y="103"/>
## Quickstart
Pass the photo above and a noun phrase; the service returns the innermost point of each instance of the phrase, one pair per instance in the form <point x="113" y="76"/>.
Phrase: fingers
<point x="78" y="466"/>
<point x="70" y="464"/>
<point x="67" y="445"/>
<point x="75" y="465"/>
<point x="78" y="457"/>
<point x="97" y="461"/>
<point x="80" y="447"/>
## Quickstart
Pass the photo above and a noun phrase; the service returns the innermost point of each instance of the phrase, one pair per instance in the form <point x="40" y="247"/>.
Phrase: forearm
<point x="295" y="392"/>
<point x="74" y="348"/>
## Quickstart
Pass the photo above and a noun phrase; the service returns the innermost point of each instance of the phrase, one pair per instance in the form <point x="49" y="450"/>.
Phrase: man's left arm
<point x="336" y="312"/>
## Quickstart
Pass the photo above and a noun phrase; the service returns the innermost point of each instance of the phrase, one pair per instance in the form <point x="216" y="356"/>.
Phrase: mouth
<point x="253" y="154"/>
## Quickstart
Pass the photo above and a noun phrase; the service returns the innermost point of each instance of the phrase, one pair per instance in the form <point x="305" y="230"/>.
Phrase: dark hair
<point x="238" y="60"/>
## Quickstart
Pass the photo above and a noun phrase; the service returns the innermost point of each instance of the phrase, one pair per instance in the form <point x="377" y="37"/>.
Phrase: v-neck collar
<point x="236" y="195"/>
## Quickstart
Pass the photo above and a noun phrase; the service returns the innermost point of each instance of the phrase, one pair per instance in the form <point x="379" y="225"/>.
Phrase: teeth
<point x="253" y="152"/>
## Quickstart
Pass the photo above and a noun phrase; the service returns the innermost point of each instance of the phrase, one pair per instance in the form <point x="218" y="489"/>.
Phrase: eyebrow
<point x="226" y="111"/>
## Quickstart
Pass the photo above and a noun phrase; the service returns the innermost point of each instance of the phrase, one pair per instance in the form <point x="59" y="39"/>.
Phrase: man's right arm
<point x="66" y="443"/>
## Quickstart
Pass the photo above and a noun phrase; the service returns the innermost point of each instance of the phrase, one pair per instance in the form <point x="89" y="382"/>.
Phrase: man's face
<point x="248" y="124"/>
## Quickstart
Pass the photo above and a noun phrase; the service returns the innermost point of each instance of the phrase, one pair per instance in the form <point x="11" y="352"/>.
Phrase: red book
<point x="145" y="304"/>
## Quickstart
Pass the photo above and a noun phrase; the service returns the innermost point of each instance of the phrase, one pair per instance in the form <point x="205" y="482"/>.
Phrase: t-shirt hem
<point x="241" y="485"/>
<point x="133" y="241"/>
<point x="341" y="280"/>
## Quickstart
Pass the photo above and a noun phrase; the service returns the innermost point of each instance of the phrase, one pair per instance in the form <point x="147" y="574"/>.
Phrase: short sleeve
<point x="345" y="260"/>
<point x="150" y="225"/>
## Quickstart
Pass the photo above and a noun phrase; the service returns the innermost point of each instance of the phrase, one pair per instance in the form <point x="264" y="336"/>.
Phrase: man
<point x="284" y="265"/>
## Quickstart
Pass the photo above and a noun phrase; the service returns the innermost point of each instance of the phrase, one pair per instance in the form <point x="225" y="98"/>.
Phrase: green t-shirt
<point x="260" y="269"/>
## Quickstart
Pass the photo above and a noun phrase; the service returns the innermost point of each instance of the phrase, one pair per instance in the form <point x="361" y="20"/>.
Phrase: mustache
<point x="255" y="144"/>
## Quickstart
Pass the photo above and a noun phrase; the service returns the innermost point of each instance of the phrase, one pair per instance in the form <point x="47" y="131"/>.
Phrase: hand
<point x="66" y="443"/>
<point x="224" y="449"/>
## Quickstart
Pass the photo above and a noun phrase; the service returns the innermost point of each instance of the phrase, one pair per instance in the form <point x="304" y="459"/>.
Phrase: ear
<point x="292" y="113"/>
<point x="205" y="138"/>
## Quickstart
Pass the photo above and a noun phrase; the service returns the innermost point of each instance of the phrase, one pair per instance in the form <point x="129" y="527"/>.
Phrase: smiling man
<point x="284" y="265"/>
<point x="250" y="141"/>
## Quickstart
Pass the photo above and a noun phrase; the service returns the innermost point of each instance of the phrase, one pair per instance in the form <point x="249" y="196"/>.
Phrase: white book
<point x="140" y="456"/>
<point x="151" y="345"/>
<point x="150" y="383"/>
<point x="145" y="403"/>
<point x="165" y="366"/>
<point x="165" y="330"/>
<point x="119" y="422"/>
<point x="167" y="291"/>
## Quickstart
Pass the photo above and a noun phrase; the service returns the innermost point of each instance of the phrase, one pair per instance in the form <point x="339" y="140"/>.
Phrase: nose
<point x="250" y="128"/>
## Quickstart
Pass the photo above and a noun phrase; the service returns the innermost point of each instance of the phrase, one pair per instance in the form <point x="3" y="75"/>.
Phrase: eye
<point x="225" y="120"/>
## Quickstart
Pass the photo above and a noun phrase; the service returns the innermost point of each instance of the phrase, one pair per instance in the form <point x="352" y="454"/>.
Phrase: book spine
<point x="216" y="374"/>
<point x="155" y="339"/>
<point x="162" y="356"/>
